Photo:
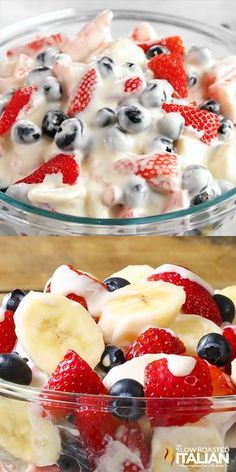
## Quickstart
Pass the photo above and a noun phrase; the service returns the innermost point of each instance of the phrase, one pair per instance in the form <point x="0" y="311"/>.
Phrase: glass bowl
<point x="215" y="217"/>
<point x="79" y="433"/>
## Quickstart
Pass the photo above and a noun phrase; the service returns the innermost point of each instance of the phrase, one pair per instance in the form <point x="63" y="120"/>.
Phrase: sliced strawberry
<point x="202" y="120"/>
<point x="84" y="92"/>
<point x="33" y="47"/>
<point x="173" y="43"/>
<point x="162" y="170"/>
<point x="221" y="382"/>
<point x="229" y="332"/>
<point x="162" y="383"/>
<point x="155" y="341"/>
<point x="133" y="84"/>
<point x="62" y="163"/>
<point x="131" y="467"/>
<point x="131" y="435"/>
<point x="171" y="67"/>
<point x="77" y="299"/>
<point x="199" y="301"/>
<point x="18" y="101"/>
<point x="7" y="332"/>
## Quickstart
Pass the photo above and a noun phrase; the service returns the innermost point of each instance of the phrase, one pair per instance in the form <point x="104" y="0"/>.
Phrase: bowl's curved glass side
<point x="42" y="429"/>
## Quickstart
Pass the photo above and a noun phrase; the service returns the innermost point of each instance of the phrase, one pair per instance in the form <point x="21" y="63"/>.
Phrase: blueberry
<point x="225" y="126"/>
<point x="226" y="307"/>
<point x="128" y="406"/>
<point x="25" y="132"/>
<point x="111" y="357"/>
<point x="36" y="76"/>
<point x="133" y="119"/>
<point x="192" y="78"/>
<point x="171" y="125"/>
<point x="52" y="89"/>
<point x="211" y="105"/>
<point x="199" y="55"/>
<point x="15" y="369"/>
<point x="46" y="58"/>
<point x="215" y="349"/>
<point x="136" y="192"/>
<point x="52" y="122"/>
<point x="106" y="66"/>
<point x="114" y="283"/>
<point x="14" y="298"/>
<point x="196" y="179"/>
<point x="73" y="456"/>
<point x="157" y="50"/>
<point x="156" y="93"/>
<point x="161" y="144"/>
<point x="105" y="117"/>
<point x="201" y="198"/>
<point x="70" y="134"/>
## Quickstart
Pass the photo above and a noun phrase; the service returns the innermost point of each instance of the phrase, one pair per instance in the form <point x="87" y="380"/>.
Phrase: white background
<point x="209" y="11"/>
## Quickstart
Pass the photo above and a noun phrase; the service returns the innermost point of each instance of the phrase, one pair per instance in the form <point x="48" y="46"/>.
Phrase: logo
<point x="201" y="456"/>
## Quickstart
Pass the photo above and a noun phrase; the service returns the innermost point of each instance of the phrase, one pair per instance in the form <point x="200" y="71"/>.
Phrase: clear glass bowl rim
<point x="27" y="26"/>
<point x="59" y="398"/>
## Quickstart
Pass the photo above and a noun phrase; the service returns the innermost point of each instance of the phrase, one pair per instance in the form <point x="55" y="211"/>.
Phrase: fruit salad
<point x="96" y="126"/>
<point x="114" y="375"/>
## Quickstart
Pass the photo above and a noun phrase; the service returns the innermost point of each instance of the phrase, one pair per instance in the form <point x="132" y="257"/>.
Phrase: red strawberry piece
<point x="155" y="341"/>
<point x="229" y="332"/>
<point x="162" y="170"/>
<point x="131" y="467"/>
<point x="78" y="299"/>
<point x="35" y="46"/>
<point x="96" y="427"/>
<point x="7" y="332"/>
<point x="199" y="300"/>
<point x="202" y="120"/>
<point x="173" y="43"/>
<point x="72" y="375"/>
<point x="83" y="95"/>
<point x="221" y="382"/>
<point x="171" y="67"/>
<point x="19" y="100"/>
<point x="159" y="381"/>
<point x="131" y="435"/>
<point x="133" y="84"/>
<point x="62" y="163"/>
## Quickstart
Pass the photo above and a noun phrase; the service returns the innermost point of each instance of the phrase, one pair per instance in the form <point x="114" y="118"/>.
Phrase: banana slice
<point x="192" y="150"/>
<point x="134" y="273"/>
<point x="233" y="371"/>
<point x="49" y="324"/>
<point x="229" y="292"/>
<point x="127" y="312"/>
<point x="167" y="441"/>
<point x="27" y="436"/>
<point x="222" y="163"/>
<point x="190" y="328"/>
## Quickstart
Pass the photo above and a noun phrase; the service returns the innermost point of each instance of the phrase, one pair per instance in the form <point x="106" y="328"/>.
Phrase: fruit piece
<point x="73" y="455"/>
<point x="48" y="325"/>
<point x="111" y="357"/>
<point x="18" y="101"/>
<point x="67" y="280"/>
<point x="105" y="117"/>
<point x="132" y="436"/>
<point x="154" y="341"/>
<point x="132" y="309"/>
<point x="83" y="94"/>
<point x="117" y="454"/>
<point x="127" y="407"/>
<point x="133" y="369"/>
<point x="199" y="300"/>
<point x="52" y="122"/>
<point x="173" y="43"/>
<point x="165" y="442"/>
<point x="13" y="299"/>
<point x="229" y="292"/>
<point x="7" y="332"/>
<point x="133" y="119"/>
<point x="226" y="307"/>
<point x="26" y="435"/>
<point x="162" y="171"/>
<point x="201" y="120"/>
<point x="212" y="106"/>
<point x="133" y="84"/>
<point x="155" y="50"/>
<point x="63" y="164"/>
<point x="233" y="373"/>
<point x="190" y="328"/>
<point x="55" y="40"/>
<point x="15" y="369"/>
<point x="177" y="377"/>
<point x="171" y="67"/>
<point x="229" y="332"/>
<point x="134" y="273"/>
<point x="25" y="132"/>
<point x="215" y="349"/>
<point x="113" y="283"/>
<point x="74" y="375"/>
<point x="221" y="382"/>
<point x="71" y="134"/>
